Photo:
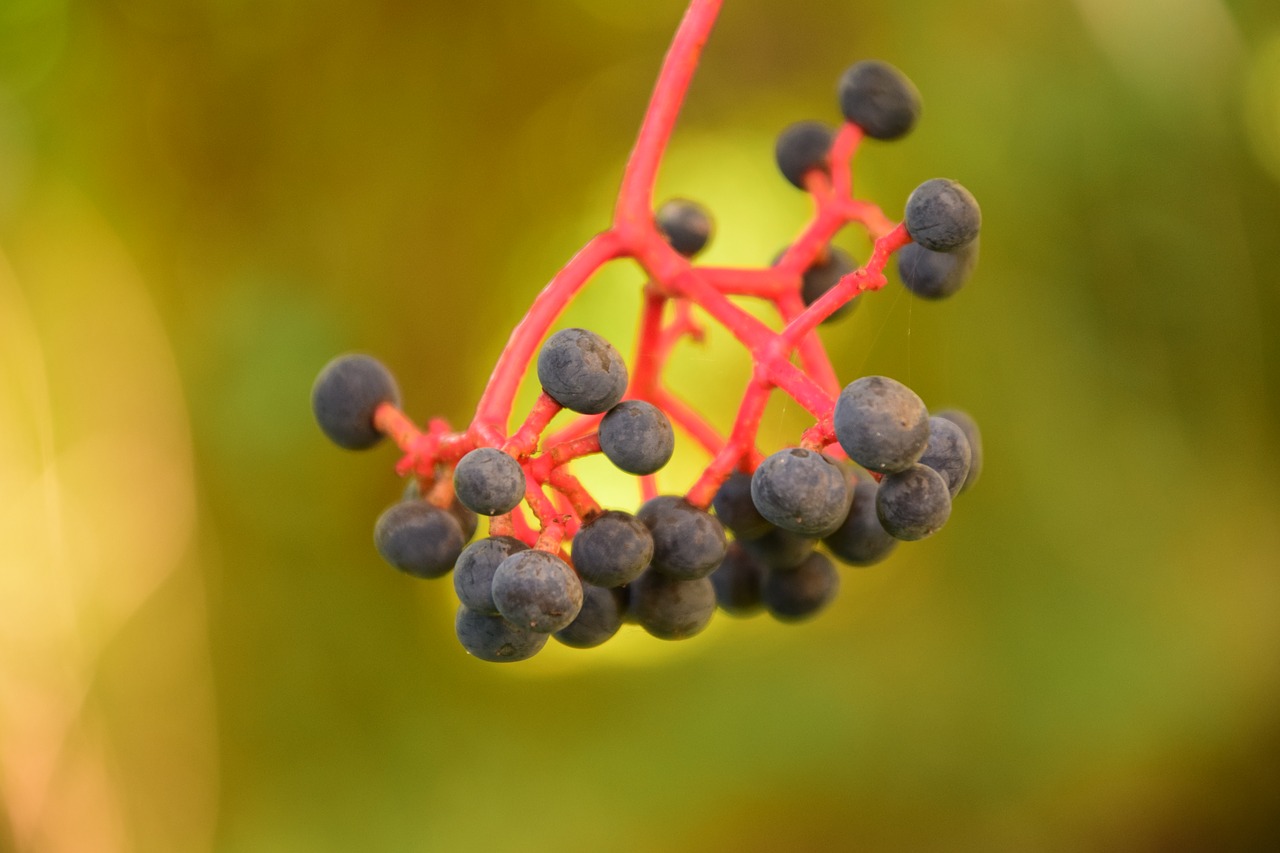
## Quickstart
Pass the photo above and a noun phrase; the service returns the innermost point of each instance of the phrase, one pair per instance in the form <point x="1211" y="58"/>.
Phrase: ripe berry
<point x="418" y="539"/>
<point x="612" y="549"/>
<point x="794" y="594"/>
<point x="489" y="481"/>
<point x="879" y="99"/>
<point x="914" y="503"/>
<point x="881" y="423"/>
<point x="972" y="433"/>
<point x="637" y="437"/>
<point x="494" y="639"/>
<point x="687" y="542"/>
<point x="686" y="225"/>
<point x="780" y="549"/>
<point x="801" y="491"/>
<point x="735" y="509"/>
<point x="861" y="540"/>
<point x="936" y="275"/>
<point x="801" y="148"/>
<point x="537" y="590"/>
<point x="597" y="621"/>
<point x="948" y="453"/>
<point x="582" y="371"/>
<point x="473" y="574"/>
<point x="670" y="608"/>
<point x="942" y="215"/>
<point x="345" y="396"/>
<point x="737" y="582"/>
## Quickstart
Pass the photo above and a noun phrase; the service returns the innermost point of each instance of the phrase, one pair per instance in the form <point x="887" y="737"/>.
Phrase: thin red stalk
<point x="525" y="439"/>
<point x="576" y="428"/>
<point x="494" y="408"/>
<point x="584" y="506"/>
<point x="635" y="199"/>
<point x="741" y="442"/>
<point x="869" y="277"/>
<point x="688" y="420"/>
<point x="561" y="454"/>
<point x="647" y="362"/>
<point x="395" y="424"/>
<point x="765" y="283"/>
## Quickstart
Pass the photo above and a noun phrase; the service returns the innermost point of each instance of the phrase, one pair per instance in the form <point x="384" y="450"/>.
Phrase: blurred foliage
<point x="201" y="202"/>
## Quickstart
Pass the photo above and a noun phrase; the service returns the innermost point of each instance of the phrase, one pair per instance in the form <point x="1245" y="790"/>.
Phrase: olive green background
<point x="203" y="202"/>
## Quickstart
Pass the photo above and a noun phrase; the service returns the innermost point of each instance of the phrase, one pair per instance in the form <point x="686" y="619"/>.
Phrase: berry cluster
<point x="555" y="562"/>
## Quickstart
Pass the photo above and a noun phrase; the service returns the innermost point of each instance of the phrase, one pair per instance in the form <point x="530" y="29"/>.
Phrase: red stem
<point x="494" y="408"/>
<point x="635" y="199"/>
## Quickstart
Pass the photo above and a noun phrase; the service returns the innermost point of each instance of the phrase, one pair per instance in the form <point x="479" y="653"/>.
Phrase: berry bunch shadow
<point x="753" y="532"/>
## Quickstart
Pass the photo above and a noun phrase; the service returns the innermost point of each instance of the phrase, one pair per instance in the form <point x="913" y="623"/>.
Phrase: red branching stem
<point x="441" y="493"/>
<point x="576" y="428"/>
<point x="819" y="436"/>
<point x="648" y="488"/>
<point x="395" y="424"/>
<point x="843" y="147"/>
<point x="584" y="506"/>
<point x="538" y="501"/>
<point x="568" y="451"/>
<point x="635" y="200"/>
<point x="868" y="277"/>
<point x="682" y="325"/>
<point x="738" y="447"/>
<point x="550" y="538"/>
<point x="683" y="416"/>
<point x="648" y="361"/>
<point x="526" y="438"/>
<point x="812" y="355"/>
<point x="494" y="409"/>
<point x="766" y="283"/>
<point x="521" y="529"/>
<point x="502" y="525"/>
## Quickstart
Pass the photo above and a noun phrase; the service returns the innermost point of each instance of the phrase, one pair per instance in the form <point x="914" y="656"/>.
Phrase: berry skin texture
<point x="494" y="639"/>
<point x="861" y="540"/>
<point x="801" y="491"/>
<point x="942" y="215"/>
<point x="879" y="99"/>
<point x="780" y="549"/>
<point x="801" y="148"/>
<point x="881" y="424"/>
<point x="914" y="503"/>
<point x="948" y="453"/>
<point x="735" y="509"/>
<point x="936" y="275"/>
<point x="537" y="590"/>
<point x="737" y="582"/>
<point x="419" y="539"/>
<point x="970" y="427"/>
<point x="637" y="437"/>
<point x="488" y="481"/>
<point x="612" y="549"/>
<point x="686" y="225"/>
<point x="826" y="274"/>
<point x="345" y="396"/>
<point x="672" y="609"/>
<point x="794" y="594"/>
<point x="473" y="574"/>
<point x="582" y="371"/>
<point x="687" y="542"/>
<point x="597" y="621"/>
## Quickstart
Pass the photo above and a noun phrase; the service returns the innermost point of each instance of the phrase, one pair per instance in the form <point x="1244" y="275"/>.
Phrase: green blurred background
<point x="202" y="202"/>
